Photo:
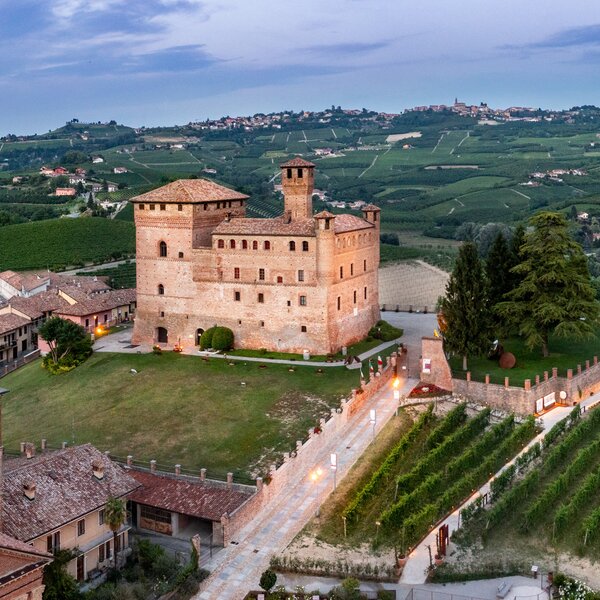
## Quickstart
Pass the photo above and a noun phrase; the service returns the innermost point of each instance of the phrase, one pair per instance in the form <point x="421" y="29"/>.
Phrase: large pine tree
<point x="497" y="268"/>
<point x="466" y="307"/>
<point x="555" y="294"/>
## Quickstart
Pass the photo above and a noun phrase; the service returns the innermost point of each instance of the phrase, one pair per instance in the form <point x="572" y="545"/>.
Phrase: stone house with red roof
<point x="291" y="283"/>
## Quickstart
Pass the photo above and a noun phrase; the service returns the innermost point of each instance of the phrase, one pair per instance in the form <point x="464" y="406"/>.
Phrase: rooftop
<point x="10" y="322"/>
<point x="297" y="162"/>
<point x="190" y="191"/>
<point x="26" y="281"/>
<point x="344" y="223"/>
<point x="66" y="489"/>
<point x="276" y="226"/>
<point x="196" y="499"/>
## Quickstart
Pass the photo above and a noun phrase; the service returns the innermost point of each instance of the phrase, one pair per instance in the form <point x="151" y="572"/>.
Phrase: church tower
<point x="297" y="180"/>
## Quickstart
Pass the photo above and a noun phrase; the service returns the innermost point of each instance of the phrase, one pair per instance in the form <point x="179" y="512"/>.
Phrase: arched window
<point x="254" y="245"/>
<point x="292" y="246"/>
<point x="244" y="245"/>
<point x="304" y="246"/>
<point x="267" y="245"/>
<point x="161" y="289"/>
<point x="232" y="244"/>
<point x="162" y="247"/>
<point x="220" y="243"/>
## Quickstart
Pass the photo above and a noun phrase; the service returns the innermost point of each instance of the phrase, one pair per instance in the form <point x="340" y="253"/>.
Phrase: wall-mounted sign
<point x="427" y="366"/>
<point x="539" y="405"/>
<point x="549" y="399"/>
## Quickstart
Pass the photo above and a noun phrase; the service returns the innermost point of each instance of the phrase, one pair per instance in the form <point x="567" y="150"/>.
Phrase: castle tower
<point x="297" y="180"/>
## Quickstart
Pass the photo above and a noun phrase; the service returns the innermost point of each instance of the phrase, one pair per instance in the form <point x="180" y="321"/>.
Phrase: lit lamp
<point x="396" y="386"/>
<point x="314" y="476"/>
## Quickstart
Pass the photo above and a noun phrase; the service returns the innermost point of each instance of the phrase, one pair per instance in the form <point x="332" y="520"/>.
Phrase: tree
<point x="59" y="584"/>
<point x="516" y="243"/>
<point x="555" y="294"/>
<point x="222" y="338"/>
<point x="65" y="339"/>
<point x="497" y="268"/>
<point x="466" y="306"/>
<point x="115" y="514"/>
<point x="268" y="580"/>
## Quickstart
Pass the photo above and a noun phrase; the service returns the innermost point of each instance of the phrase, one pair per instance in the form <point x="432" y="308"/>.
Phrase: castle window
<point x="364" y="265"/>
<point x="261" y="298"/>
<point x="180" y="207"/>
<point x="237" y="296"/>
<point x="161" y="289"/>
<point x="220" y="243"/>
<point x="292" y="246"/>
<point x="303" y="328"/>
<point x="163" y="207"/>
<point x="279" y="279"/>
<point x="351" y="269"/>
<point x="327" y="224"/>
<point x="152" y="207"/>
<point x="289" y="173"/>
<point x="162" y="313"/>
<point x="162" y="249"/>
<point x="142" y="207"/>
<point x="218" y="205"/>
<point x="365" y="292"/>
<point x="261" y="274"/>
<point x="341" y="272"/>
<point x="180" y="255"/>
<point x="339" y="302"/>
<point x="236" y="273"/>
<point x="302" y="300"/>
<point x="254" y="245"/>
<point x="267" y="245"/>
<point x="354" y="296"/>
<point x="300" y="173"/>
<point x="262" y="323"/>
<point x="244" y="245"/>
<point x="304" y="246"/>
<point x="300" y="275"/>
<point x="229" y="204"/>
<point x="205" y="206"/>
<point x="232" y="244"/>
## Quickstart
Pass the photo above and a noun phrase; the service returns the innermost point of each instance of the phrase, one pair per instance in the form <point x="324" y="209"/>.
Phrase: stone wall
<point x="434" y="360"/>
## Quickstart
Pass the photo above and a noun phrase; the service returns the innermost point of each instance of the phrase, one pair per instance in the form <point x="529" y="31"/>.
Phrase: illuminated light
<point x="319" y="471"/>
<point x="396" y="383"/>
<point x="98" y="330"/>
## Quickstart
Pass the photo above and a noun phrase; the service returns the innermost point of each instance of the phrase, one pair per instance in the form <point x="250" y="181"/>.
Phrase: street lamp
<point x="378" y="524"/>
<point x="333" y="459"/>
<point x="314" y="476"/>
<point x="373" y="419"/>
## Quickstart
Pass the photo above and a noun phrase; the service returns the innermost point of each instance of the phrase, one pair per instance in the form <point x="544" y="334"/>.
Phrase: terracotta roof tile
<point x="344" y="223"/>
<point x="189" y="191"/>
<point x="277" y="226"/>
<point x="370" y="207"/>
<point x="24" y="281"/>
<point x="297" y="162"/>
<point x="35" y="306"/>
<point x="201" y="500"/>
<point x="87" y="305"/>
<point x="324" y="214"/>
<point x="66" y="489"/>
<point x="10" y="322"/>
<point x="11" y="543"/>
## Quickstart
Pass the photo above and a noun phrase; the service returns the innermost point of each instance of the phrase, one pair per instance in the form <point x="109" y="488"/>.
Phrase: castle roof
<point x="324" y="214"/>
<point x="370" y="207"/>
<point x="276" y="226"/>
<point x="297" y="162"/>
<point x="344" y="223"/>
<point x="190" y="191"/>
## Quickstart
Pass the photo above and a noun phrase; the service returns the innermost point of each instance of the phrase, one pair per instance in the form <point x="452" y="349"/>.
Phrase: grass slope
<point x="177" y="409"/>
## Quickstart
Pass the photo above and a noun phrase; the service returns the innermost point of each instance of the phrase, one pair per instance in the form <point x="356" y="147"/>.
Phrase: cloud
<point x="576" y="36"/>
<point x="346" y="48"/>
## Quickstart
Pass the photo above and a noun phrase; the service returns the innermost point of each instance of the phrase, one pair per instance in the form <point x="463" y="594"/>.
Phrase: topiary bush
<point x="206" y="339"/>
<point x="222" y="339"/>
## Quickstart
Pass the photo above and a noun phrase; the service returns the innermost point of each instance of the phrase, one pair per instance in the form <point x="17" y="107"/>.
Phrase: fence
<point x="13" y="365"/>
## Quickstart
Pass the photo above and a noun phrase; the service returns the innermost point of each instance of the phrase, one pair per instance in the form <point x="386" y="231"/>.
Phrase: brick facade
<point x="291" y="283"/>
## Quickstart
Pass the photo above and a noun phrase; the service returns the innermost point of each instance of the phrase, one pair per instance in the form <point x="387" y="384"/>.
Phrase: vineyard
<point x="435" y="465"/>
<point x="554" y="492"/>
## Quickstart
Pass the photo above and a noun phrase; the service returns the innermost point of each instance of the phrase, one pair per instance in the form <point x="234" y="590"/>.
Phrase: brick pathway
<point x="237" y="568"/>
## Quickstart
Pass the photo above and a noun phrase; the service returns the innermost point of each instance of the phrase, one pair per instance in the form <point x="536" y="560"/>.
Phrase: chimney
<point x="29" y="490"/>
<point x="29" y="450"/>
<point x="98" y="469"/>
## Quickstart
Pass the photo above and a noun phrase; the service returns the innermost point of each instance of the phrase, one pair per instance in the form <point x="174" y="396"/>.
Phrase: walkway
<point x="238" y="567"/>
<point x="417" y="564"/>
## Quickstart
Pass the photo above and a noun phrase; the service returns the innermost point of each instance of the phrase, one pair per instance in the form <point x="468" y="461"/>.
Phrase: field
<point x="419" y="474"/>
<point x="548" y="510"/>
<point x="58" y="243"/>
<point x="202" y="414"/>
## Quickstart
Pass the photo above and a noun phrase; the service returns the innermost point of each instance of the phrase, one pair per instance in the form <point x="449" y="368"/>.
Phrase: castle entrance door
<point x="162" y="335"/>
<point x="199" y="333"/>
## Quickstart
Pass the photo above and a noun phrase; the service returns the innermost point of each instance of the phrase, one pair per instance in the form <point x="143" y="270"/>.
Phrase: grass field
<point x="58" y="243"/>
<point x="177" y="409"/>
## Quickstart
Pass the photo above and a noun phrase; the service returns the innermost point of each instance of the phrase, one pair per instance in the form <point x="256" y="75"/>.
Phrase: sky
<point x="165" y="62"/>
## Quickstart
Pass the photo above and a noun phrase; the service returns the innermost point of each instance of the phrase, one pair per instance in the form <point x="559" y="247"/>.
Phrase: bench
<point x="503" y="590"/>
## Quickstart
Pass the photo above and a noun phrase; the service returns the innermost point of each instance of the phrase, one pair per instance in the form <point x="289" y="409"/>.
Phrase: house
<point x="119" y="170"/>
<point x="97" y="159"/>
<point x="15" y="338"/>
<point x="65" y="192"/>
<point x="111" y="187"/>
<point x="75" y="179"/>
<point x="583" y="216"/>
<point x="18" y="179"/>
<point x="96" y="187"/>
<point x="21" y="570"/>
<point x="56" y="499"/>
<point x="22" y="284"/>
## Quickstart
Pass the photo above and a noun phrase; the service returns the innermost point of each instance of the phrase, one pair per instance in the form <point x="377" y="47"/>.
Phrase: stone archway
<point x="162" y="335"/>
<point x="199" y="333"/>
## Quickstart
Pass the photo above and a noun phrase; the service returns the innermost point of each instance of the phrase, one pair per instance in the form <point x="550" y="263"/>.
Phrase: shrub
<point x="222" y="338"/>
<point x="156" y="350"/>
<point x="268" y="580"/>
<point x="206" y="339"/>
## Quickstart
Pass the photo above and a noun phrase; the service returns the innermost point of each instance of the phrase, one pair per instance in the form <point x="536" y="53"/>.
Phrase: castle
<point x="290" y="283"/>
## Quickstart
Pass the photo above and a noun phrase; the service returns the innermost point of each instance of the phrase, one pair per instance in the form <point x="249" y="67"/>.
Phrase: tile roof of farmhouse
<point x="66" y="489"/>
<point x="276" y="226"/>
<point x="10" y="322"/>
<point x="344" y="223"/>
<point x="189" y="191"/>
<point x="196" y="499"/>
<point x="35" y="306"/>
<point x="87" y="305"/>
<point x="18" y="558"/>
<point x="297" y="162"/>
<point x="24" y="281"/>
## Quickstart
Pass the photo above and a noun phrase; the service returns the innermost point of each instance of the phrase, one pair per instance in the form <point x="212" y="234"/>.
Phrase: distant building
<point x="97" y="159"/>
<point x="65" y="191"/>
<point x="119" y="170"/>
<point x="22" y="284"/>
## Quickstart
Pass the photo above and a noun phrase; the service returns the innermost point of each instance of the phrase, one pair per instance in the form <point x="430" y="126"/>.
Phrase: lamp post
<point x="378" y="525"/>
<point x="373" y="419"/>
<point x="314" y="476"/>
<point x="333" y="459"/>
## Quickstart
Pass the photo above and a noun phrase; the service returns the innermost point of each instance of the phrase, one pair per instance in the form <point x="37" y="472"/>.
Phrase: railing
<point x="13" y="365"/>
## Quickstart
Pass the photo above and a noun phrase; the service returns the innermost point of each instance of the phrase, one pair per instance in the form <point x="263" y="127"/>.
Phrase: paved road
<point x="237" y="568"/>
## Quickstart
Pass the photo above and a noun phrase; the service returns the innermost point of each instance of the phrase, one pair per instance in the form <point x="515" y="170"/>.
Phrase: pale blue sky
<point x="159" y="62"/>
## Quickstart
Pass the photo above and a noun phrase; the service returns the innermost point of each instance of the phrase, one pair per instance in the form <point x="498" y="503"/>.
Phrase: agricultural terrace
<point x="549" y="500"/>
<point x="176" y="409"/>
<point x="431" y="464"/>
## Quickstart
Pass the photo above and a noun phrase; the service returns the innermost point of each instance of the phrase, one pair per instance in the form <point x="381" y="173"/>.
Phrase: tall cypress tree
<point x="555" y="294"/>
<point x="497" y="268"/>
<point x="466" y="306"/>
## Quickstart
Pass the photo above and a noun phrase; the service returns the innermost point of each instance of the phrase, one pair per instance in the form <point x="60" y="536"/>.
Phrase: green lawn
<point x="177" y="409"/>
<point x="564" y="354"/>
